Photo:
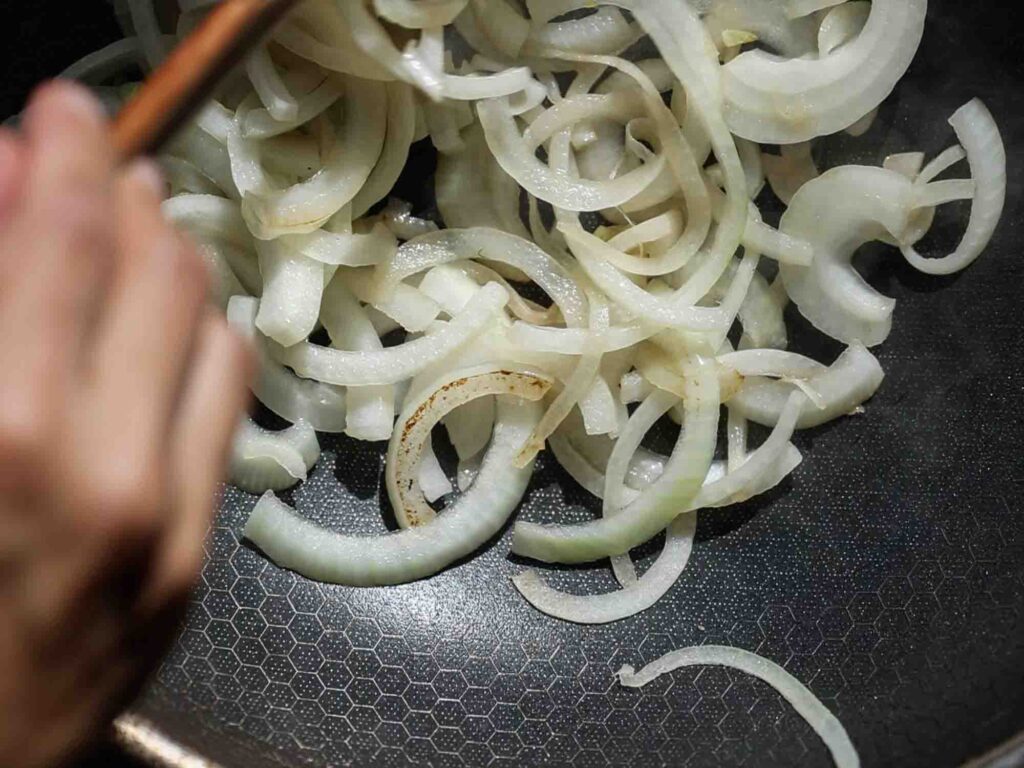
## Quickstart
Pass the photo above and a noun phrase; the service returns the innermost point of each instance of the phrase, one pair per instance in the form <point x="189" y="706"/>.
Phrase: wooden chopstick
<point x="186" y="79"/>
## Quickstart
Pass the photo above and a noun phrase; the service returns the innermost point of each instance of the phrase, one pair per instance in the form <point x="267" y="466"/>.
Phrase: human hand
<point x="119" y="394"/>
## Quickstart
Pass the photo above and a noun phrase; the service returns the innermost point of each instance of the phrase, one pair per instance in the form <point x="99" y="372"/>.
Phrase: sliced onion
<point x="263" y="461"/>
<point x="261" y="124"/>
<point x="393" y="364"/>
<point x="941" y="163"/>
<point x="842" y="24"/>
<point x="421" y="416"/>
<point x="401" y="128"/>
<point x="414" y="553"/>
<point x="474" y="191"/>
<point x="208" y="215"/>
<point x="620" y="604"/>
<point x="307" y="205"/>
<point x="505" y="27"/>
<point x="371" y="409"/>
<point x="649" y="513"/>
<point x="774" y="101"/>
<point x="514" y="155"/>
<point x="847" y="384"/>
<point x="746" y="480"/>
<point x="349" y="249"/>
<point x="908" y="164"/>
<point x="771" y="362"/>
<point x="270" y="86"/>
<point x="470" y="427"/>
<point x="979" y="135"/>
<point x="292" y="287"/>
<point x="830" y="293"/>
<point x="605" y="31"/>
<point x="434" y="483"/>
<point x="678" y="311"/>
<point x="409" y="307"/>
<point x="452" y="245"/>
<point x="803" y="701"/>
<point x="417" y="14"/>
<point x="280" y="390"/>
<point x="796" y="9"/>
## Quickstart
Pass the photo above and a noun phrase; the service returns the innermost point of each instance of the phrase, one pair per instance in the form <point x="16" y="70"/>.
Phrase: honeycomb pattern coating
<point x="887" y="575"/>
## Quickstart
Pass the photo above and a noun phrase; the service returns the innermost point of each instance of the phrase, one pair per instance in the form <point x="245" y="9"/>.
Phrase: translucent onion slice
<point x="577" y="341"/>
<point x="261" y="124"/>
<point x="795" y="9"/>
<point x="474" y="191"/>
<point x="206" y="152"/>
<point x="623" y="603"/>
<point x="830" y="293"/>
<point x="515" y="156"/>
<point x="285" y="394"/>
<point x="656" y="405"/>
<point x="908" y="164"/>
<point x="263" y="461"/>
<point x="470" y="427"/>
<point x="433" y="481"/>
<point x="748" y="479"/>
<point x="803" y="701"/>
<point x="449" y="245"/>
<point x="147" y="26"/>
<point x="575" y="389"/>
<point x="292" y="288"/>
<point x="681" y="175"/>
<point x="307" y="205"/>
<point x="775" y="101"/>
<point x="185" y="179"/>
<point x="847" y="384"/>
<point x="414" y="553"/>
<point x="406" y="305"/>
<point x="941" y="163"/>
<point x="394" y="364"/>
<point x="336" y="51"/>
<point x="979" y="135"/>
<point x="417" y="14"/>
<point x="771" y="22"/>
<point x="678" y="311"/>
<point x="605" y="31"/>
<point x="505" y="27"/>
<point x="371" y="410"/>
<point x="842" y="24"/>
<point x="347" y="249"/>
<point x="761" y="317"/>
<point x="401" y="129"/>
<point x="208" y="215"/>
<point x="398" y="217"/>
<point x="653" y="510"/>
<point x="771" y="362"/>
<point x="270" y="86"/>
<point x="766" y="240"/>
<point x="421" y="416"/>
<point x="772" y="463"/>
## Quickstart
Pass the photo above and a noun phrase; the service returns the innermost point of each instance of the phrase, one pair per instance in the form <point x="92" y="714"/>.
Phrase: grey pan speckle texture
<point x="888" y="574"/>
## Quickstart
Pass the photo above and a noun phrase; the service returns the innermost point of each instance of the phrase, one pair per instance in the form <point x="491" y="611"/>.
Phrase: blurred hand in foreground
<point x="119" y="393"/>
